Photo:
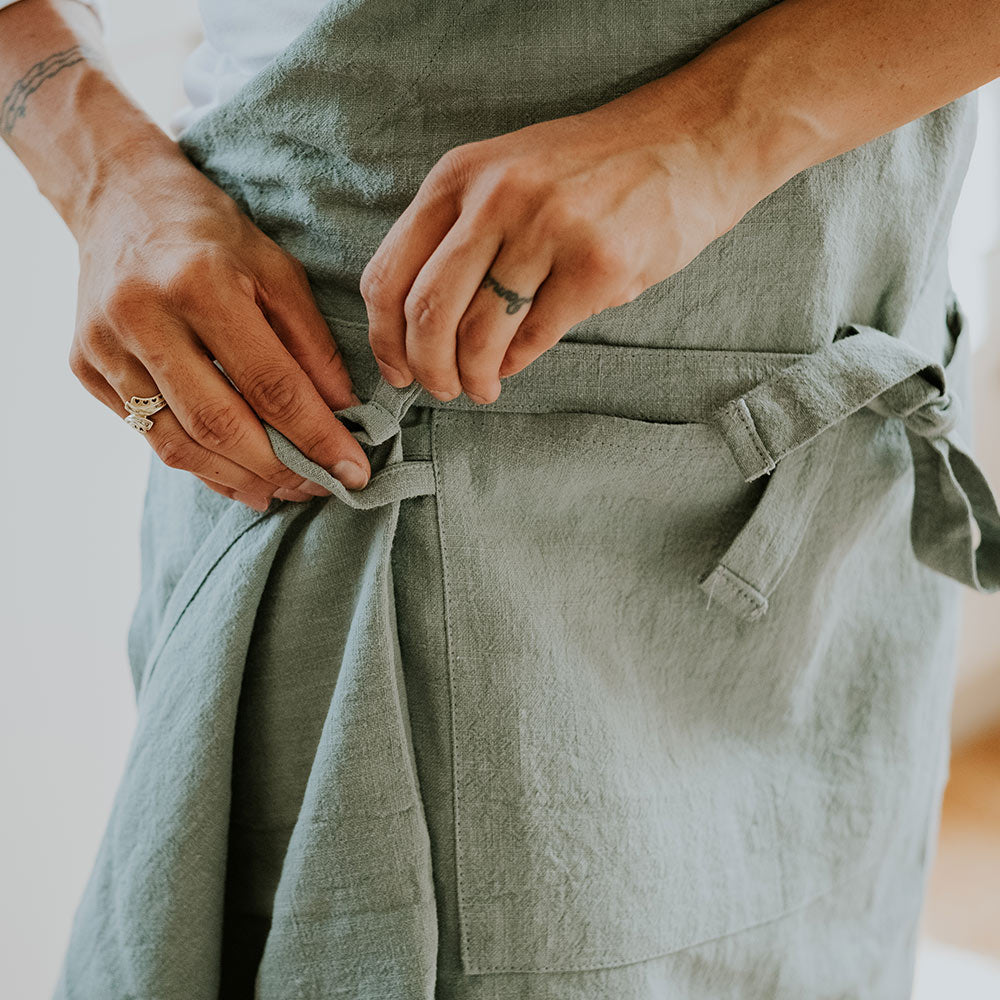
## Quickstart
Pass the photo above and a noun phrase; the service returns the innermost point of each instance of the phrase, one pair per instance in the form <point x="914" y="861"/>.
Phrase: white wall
<point x="73" y="478"/>
<point x="72" y="485"/>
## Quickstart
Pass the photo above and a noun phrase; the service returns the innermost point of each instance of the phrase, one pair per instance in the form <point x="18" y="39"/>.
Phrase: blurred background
<point x="73" y="485"/>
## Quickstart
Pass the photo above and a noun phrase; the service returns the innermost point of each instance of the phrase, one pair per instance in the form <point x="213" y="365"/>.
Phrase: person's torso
<point x="327" y="144"/>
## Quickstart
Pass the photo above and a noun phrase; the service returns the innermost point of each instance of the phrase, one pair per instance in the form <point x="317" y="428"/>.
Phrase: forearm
<point x="65" y="114"/>
<point x="807" y="80"/>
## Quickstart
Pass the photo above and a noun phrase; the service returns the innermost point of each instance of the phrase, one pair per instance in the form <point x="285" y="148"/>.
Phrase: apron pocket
<point x="624" y="785"/>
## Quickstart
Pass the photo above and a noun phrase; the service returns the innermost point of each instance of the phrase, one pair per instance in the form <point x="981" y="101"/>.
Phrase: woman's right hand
<point x="174" y="275"/>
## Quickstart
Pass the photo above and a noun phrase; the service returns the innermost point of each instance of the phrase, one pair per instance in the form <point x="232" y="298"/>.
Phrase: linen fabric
<point x="634" y="683"/>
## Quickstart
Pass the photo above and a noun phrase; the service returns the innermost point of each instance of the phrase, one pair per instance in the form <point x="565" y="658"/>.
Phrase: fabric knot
<point x="926" y="410"/>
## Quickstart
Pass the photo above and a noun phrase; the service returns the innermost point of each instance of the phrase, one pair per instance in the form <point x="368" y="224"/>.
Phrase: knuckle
<point x="517" y="180"/>
<point x="129" y="303"/>
<point x="424" y="312"/>
<point x="599" y="259"/>
<point x="558" y="215"/>
<point x="294" y="265"/>
<point x="532" y="336"/>
<point x="473" y="335"/>
<point x="239" y="282"/>
<point x="190" y="285"/>
<point x="276" y="395"/>
<point x="216" y="424"/>
<point x="175" y="452"/>
<point x="453" y="158"/>
<point x="158" y="356"/>
<point x="274" y="474"/>
<point x="375" y="282"/>
<point x="77" y="360"/>
<point x="102" y="346"/>
<point x="457" y="164"/>
<point x="183" y="289"/>
<point x="289" y="269"/>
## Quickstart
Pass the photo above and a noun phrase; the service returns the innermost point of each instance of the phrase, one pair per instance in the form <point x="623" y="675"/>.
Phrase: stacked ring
<point x="140" y="409"/>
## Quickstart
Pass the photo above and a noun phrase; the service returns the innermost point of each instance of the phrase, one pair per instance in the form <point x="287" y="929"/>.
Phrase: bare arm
<point x="575" y="215"/>
<point x="806" y="80"/>
<point x="172" y="273"/>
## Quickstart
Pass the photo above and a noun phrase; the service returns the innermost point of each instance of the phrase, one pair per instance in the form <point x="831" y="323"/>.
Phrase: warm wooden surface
<point x="963" y="904"/>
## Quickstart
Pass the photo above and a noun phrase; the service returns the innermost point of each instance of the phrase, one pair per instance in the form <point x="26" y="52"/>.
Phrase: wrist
<point x="762" y="107"/>
<point x="96" y="148"/>
<point x="736" y="110"/>
<point x="129" y="168"/>
<point x="83" y="139"/>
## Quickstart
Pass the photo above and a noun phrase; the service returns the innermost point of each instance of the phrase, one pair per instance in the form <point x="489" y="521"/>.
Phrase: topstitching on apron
<point x="697" y="571"/>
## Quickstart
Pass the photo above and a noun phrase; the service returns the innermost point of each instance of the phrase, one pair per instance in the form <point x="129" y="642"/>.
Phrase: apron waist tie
<point x="955" y="525"/>
<point x="378" y="419"/>
<point x="787" y="425"/>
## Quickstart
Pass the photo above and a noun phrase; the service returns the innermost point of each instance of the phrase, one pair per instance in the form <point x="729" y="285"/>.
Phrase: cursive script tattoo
<point x="514" y="301"/>
<point x="14" y="103"/>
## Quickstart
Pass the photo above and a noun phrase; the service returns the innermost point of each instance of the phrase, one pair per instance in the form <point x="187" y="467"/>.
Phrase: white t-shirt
<point x="241" y="38"/>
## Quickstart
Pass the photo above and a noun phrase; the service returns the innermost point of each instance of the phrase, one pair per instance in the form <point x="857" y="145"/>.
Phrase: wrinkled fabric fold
<point x="955" y="525"/>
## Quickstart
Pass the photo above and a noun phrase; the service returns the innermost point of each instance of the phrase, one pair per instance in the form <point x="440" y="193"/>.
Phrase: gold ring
<point x="141" y="408"/>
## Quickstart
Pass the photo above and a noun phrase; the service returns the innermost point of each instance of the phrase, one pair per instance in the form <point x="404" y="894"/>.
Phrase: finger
<point x="388" y="277"/>
<point x="169" y="440"/>
<point x="281" y="493"/>
<point x="288" y="303"/>
<point x="438" y="299"/>
<point x="209" y="408"/>
<point x="276" y="388"/>
<point x="256" y="503"/>
<point x="557" y="305"/>
<point x="499" y="306"/>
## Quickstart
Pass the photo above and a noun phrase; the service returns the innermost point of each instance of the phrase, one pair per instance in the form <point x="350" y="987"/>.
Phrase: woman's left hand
<point x="512" y="240"/>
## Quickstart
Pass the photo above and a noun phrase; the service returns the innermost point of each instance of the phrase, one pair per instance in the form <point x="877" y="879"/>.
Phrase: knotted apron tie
<point x="788" y="425"/>
<point x="955" y="525"/>
<point x="379" y="419"/>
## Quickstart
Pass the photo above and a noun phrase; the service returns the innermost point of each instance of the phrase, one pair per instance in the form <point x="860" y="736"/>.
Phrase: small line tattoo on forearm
<point x="14" y="103"/>
<point x="514" y="301"/>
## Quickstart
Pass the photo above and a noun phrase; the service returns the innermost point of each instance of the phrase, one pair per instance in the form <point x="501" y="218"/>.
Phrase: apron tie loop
<point x="378" y="420"/>
<point x="955" y="524"/>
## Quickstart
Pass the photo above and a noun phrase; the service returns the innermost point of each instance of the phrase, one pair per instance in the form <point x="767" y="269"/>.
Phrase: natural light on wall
<point x="975" y="237"/>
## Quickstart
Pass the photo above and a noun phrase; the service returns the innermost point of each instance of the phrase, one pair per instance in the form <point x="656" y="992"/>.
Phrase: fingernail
<point x="444" y="396"/>
<point x="314" y="489"/>
<point x="296" y="496"/>
<point x="393" y="377"/>
<point x="350" y="474"/>
<point x="482" y="400"/>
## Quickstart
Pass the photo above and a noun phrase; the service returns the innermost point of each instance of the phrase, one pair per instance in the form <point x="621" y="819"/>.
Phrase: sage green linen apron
<point x="632" y="684"/>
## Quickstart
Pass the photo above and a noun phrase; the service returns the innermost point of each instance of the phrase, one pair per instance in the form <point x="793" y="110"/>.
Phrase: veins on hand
<point x="14" y="103"/>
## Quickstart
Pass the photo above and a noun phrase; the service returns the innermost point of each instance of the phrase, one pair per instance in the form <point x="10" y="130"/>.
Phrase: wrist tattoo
<point x="514" y="301"/>
<point x="14" y="103"/>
